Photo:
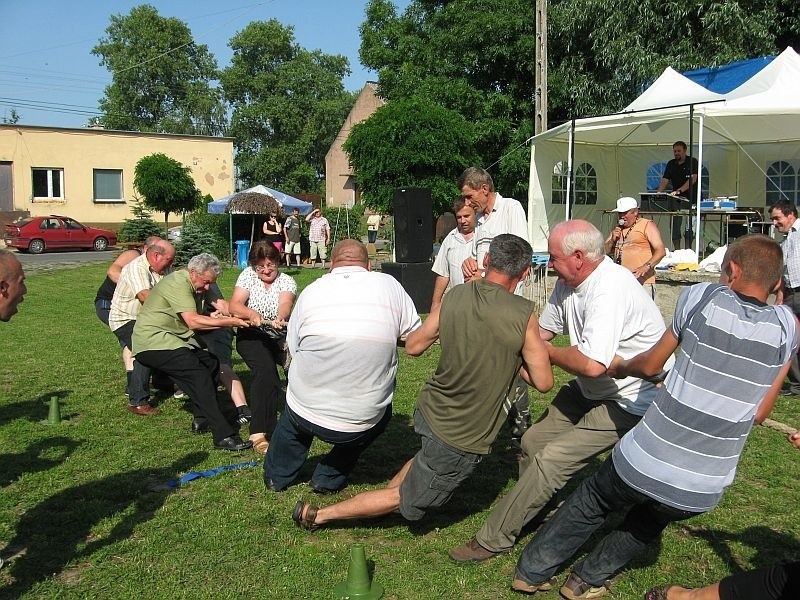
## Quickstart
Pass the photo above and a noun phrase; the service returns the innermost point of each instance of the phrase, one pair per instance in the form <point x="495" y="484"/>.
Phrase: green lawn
<point x="85" y="510"/>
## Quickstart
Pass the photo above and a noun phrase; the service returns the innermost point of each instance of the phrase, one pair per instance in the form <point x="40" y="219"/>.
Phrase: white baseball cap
<point x="625" y="204"/>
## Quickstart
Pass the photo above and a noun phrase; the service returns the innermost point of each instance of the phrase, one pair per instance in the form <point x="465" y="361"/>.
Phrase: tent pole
<point x="699" y="186"/>
<point x="570" y="175"/>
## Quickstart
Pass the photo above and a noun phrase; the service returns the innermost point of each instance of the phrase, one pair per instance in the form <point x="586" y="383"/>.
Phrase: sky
<point x="49" y="76"/>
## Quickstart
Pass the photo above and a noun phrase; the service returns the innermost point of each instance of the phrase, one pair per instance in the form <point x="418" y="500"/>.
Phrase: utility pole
<point x="540" y="99"/>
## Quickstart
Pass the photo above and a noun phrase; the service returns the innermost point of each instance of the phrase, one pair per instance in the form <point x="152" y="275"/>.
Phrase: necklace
<point x="621" y="242"/>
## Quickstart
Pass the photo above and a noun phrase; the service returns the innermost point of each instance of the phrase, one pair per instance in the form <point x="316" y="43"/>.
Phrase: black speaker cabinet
<point x="417" y="280"/>
<point x="413" y="225"/>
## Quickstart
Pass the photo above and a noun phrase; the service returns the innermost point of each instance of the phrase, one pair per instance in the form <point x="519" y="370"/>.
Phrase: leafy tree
<point x="288" y="105"/>
<point x="12" y="117"/>
<point x="160" y="76"/>
<point x="410" y="142"/>
<point x="346" y="220"/>
<point x="166" y="185"/>
<point x="140" y="227"/>
<point x="476" y="57"/>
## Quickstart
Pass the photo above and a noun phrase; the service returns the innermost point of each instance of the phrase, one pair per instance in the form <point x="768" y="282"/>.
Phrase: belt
<point x="794" y="289"/>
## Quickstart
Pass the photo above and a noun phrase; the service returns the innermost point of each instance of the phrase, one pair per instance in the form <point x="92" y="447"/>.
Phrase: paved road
<point x="47" y="261"/>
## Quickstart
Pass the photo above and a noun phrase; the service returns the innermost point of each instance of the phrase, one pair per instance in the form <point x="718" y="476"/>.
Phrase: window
<point x="782" y="182"/>
<point x="48" y="183"/>
<point x="108" y="185"/>
<point x="585" y="184"/>
<point x="559" y="186"/>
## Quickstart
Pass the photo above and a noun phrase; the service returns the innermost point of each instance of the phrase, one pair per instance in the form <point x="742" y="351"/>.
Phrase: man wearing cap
<point x="635" y="243"/>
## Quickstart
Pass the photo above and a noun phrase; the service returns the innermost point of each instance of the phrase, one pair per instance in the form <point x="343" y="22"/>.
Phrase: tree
<point x="476" y="57"/>
<point x="288" y="105"/>
<point x="140" y="227"/>
<point x="411" y="142"/>
<point x="12" y="118"/>
<point x="165" y="185"/>
<point x="160" y="76"/>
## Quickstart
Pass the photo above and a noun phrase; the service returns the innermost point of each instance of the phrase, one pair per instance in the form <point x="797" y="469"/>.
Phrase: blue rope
<point x="192" y="475"/>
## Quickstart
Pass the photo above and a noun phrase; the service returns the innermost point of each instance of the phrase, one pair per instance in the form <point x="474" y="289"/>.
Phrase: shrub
<point x="140" y="227"/>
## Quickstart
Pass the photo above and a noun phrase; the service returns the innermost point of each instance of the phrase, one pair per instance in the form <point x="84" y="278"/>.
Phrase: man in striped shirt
<point x="733" y="354"/>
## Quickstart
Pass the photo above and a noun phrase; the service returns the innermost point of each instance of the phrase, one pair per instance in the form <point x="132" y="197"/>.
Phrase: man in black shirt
<point x="681" y="176"/>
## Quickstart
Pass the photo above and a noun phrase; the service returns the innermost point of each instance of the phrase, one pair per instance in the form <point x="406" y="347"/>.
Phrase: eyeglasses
<point x="265" y="267"/>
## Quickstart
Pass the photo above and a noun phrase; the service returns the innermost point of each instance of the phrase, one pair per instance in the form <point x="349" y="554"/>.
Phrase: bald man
<point x="12" y="285"/>
<point x="343" y="339"/>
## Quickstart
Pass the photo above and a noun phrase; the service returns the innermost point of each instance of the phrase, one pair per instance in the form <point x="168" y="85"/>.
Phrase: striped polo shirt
<point x="684" y="451"/>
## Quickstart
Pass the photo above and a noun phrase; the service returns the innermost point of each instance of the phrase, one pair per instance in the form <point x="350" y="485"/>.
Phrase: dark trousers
<point x="792" y="300"/>
<point x="195" y="372"/>
<point x="259" y="354"/>
<point x="582" y="513"/>
<point x="778" y="582"/>
<point x="139" y="383"/>
<point x="288" y="451"/>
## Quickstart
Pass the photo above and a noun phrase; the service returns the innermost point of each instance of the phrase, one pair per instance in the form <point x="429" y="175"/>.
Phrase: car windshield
<point x="22" y="221"/>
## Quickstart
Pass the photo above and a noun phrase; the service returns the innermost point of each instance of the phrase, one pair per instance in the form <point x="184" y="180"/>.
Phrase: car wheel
<point x="100" y="244"/>
<point x="36" y="246"/>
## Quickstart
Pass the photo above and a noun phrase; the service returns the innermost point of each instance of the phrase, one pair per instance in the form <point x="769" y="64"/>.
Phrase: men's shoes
<point x="200" y="425"/>
<point x="179" y="394"/>
<point x="272" y="486"/>
<point x="233" y="443"/>
<point x="323" y="491"/>
<point x="787" y="392"/>
<point x="575" y="588"/>
<point x="473" y="552"/>
<point x="518" y="585"/>
<point x="143" y="409"/>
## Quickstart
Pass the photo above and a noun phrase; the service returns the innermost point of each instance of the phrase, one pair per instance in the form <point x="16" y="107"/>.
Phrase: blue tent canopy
<point x="725" y="78"/>
<point x="217" y="207"/>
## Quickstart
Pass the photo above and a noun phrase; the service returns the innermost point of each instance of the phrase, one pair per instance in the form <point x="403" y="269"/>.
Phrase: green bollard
<point x="54" y="417"/>
<point x="357" y="586"/>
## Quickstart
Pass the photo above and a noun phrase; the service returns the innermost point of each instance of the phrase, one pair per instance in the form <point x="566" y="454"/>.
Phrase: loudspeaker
<point x="413" y="225"/>
<point x="417" y="280"/>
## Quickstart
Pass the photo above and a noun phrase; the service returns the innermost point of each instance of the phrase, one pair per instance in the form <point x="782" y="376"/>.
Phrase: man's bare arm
<point x="536" y="369"/>
<point x="424" y="336"/>
<point x="647" y="364"/>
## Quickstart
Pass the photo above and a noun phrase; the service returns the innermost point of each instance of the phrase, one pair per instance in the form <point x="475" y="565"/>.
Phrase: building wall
<point x="78" y="152"/>
<point x="340" y="188"/>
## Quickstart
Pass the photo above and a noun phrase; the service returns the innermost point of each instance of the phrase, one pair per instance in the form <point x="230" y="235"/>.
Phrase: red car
<point x="37" y="234"/>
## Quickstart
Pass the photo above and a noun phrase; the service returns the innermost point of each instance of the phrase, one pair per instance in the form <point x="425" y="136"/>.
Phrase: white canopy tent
<point x="756" y="125"/>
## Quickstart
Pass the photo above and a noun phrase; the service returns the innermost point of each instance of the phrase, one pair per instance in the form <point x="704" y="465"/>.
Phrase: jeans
<point x="583" y="512"/>
<point x="563" y="440"/>
<point x="792" y="300"/>
<point x="288" y="451"/>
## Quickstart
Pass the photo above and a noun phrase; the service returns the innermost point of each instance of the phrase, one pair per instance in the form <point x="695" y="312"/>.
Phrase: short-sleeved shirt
<point x="507" y="216"/>
<point x="685" y="450"/>
<point x="452" y="254"/>
<point x="292" y="228"/>
<point x="316" y="231"/>
<point x="263" y="301"/>
<point x="135" y="277"/>
<point x="160" y="326"/>
<point x="609" y="313"/>
<point x="678" y="174"/>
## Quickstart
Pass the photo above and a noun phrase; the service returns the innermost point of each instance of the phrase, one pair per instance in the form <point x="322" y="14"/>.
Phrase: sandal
<point x="305" y="521"/>
<point x="658" y="593"/>
<point x="260" y="443"/>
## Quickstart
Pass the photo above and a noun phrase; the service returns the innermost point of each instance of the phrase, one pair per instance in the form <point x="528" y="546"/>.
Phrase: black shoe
<point x="272" y="486"/>
<point x="200" y="425"/>
<point x="233" y="443"/>
<point x="787" y="393"/>
<point x="323" y="491"/>
<point x="245" y="415"/>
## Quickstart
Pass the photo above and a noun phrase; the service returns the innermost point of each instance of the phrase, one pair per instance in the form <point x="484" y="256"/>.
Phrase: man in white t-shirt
<point x="455" y="248"/>
<point x="606" y="312"/>
<point x="343" y="339"/>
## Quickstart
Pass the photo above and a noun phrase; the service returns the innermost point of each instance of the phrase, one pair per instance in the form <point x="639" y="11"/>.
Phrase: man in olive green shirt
<point x="163" y="338"/>
<point x="462" y="407"/>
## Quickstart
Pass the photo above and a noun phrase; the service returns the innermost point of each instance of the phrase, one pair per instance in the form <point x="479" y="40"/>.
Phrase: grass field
<point x="85" y="509"/>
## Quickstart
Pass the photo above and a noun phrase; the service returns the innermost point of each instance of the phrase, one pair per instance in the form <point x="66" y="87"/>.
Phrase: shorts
<point x="436" y="472"/>
<point x="319" y="246"/>
<point x="102" y="309"/>
<point x="124" y="334"/>
<point x="292" y="248"/>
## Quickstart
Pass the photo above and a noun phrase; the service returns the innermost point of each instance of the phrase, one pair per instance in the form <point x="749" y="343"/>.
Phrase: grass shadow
<point x="59" y="529"/>
<point x="34" y="410"/>
<point x="770" y="546"/>
<point x="37" y="457"/>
